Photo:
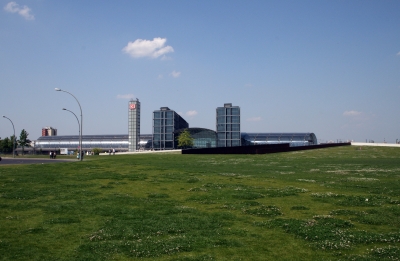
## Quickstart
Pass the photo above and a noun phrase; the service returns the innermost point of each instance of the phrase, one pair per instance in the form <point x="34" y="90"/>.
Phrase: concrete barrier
<point x="375" y="144"/>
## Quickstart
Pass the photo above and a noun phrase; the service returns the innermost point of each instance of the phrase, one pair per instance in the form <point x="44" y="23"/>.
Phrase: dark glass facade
<point x="202" y="138"/>
<point x="294" y="139"/>
<point x="165" y="122"/>
<point x="228" y="126"/>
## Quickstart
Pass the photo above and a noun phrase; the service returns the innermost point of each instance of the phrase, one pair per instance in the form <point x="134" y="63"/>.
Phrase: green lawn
<point x="330" y="204"/>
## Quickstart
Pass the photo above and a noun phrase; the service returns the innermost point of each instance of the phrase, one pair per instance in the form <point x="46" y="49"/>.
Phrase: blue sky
<point x="328" y="67"/>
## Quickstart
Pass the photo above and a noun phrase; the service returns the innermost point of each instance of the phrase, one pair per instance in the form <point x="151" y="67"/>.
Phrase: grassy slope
<point x="328" y="204"/>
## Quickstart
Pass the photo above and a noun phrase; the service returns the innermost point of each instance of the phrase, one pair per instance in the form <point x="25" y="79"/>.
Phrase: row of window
<point x="228" y="111"/>
<point x="228" y="119"/>
<point x="167" y="136"/>
<point x="163" y="145"/>
<point x="162" y="122"/>
<point x="166" y="129"/>
<point x="228" y="135"/>
<point x="163" y="114"/>
<point x="228" y="143"/>
<point x="228" y="127"/>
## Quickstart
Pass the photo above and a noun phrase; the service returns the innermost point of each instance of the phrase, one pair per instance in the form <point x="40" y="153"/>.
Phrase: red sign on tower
<point x="132" y="106"/>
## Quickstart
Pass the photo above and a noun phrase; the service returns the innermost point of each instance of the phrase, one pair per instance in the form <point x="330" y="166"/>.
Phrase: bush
<point x="96" y="151"/>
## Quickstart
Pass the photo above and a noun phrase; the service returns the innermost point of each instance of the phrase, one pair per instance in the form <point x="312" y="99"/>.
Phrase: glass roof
<point x="91" y="137"/>
<point x="194" y="130"/>
<point x="290" y="137"/>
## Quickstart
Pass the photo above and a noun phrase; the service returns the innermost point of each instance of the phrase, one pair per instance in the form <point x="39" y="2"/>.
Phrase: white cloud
<point x="24" y="11"/>
<point x="125" y="96"/>
<point x="148" y="48"/>
<point x="398" y="53"/>
<point x="191" y="113"/>
<point x="175" y="74"/>
<point x="254" y="119"/>
<point x="351" y="113"/>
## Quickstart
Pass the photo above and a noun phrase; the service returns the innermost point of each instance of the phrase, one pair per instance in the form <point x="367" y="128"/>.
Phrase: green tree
<point x="6" y="145"/>
<point x="185" y="140"/>
<point x="23" y="140"/>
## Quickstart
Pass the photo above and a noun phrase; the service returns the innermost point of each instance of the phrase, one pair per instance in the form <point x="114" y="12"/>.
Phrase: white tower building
<point x="134" y="124"/>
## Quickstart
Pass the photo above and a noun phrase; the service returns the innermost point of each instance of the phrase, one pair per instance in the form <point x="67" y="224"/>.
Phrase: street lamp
<point x="14" y="135"/>
<point x="80" y="134"/>
<point x="79" y="125"/>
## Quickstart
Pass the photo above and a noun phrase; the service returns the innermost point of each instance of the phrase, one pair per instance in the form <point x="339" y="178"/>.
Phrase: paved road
<point x="8" y="161"/>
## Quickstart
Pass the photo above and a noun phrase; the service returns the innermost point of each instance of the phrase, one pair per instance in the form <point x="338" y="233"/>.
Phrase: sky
<point x="327" y="67"/>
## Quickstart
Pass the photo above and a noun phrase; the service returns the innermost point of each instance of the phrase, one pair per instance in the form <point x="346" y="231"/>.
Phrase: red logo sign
<point x="132" y="106"/>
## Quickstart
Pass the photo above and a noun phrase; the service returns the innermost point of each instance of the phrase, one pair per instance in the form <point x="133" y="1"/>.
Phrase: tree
<point x="23" y="140"/>
<point x="6" y="145"/>
<point x="185" y="140"/>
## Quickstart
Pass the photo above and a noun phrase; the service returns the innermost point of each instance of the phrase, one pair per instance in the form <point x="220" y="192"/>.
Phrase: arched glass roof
<point x="84" y="137"/>
<point x="295" y="139"/>
<point x="119" y="142"/>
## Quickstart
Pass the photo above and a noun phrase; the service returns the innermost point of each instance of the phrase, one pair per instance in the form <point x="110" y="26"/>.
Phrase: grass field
<point x="330" y="204"/>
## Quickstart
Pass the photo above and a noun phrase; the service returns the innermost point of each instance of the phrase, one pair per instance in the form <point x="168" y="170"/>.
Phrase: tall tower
<point x="134" y="124"/>
<point x="165" y="122"/>
<point x="228" y="126"/>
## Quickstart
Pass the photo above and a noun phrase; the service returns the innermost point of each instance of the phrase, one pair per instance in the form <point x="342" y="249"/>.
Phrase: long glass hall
<point x="294" y="139"/>
<point x="89" y="142"/>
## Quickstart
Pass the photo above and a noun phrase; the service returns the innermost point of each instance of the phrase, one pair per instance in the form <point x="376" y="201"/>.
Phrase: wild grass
<point x="329" y="204"/>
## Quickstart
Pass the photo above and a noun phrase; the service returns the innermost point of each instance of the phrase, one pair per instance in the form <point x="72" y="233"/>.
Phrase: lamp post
<point x="80" y="134"/>
<point x="14" y="135"/>
<point x="79" y="125"/>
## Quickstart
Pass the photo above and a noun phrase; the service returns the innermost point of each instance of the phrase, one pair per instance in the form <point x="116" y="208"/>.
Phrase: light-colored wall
<point x="375" y="144"/>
